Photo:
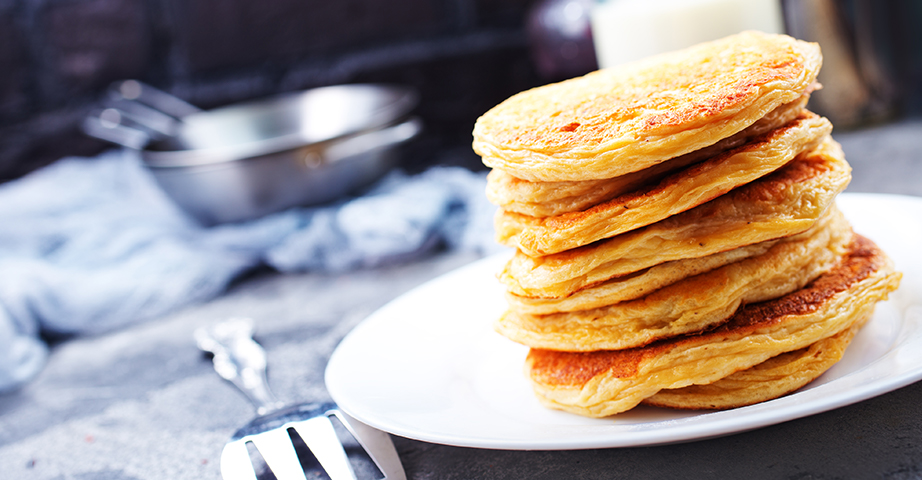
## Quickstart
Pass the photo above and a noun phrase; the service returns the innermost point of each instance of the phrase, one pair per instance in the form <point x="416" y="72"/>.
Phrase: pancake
<point x="689" y="305"/>
<point x="674" y="194"/>
<point x="603" y="383"/>
<point x="624" y="119"/>
<point x="773" y="378"/>
<point x="786" y="202"/>
<point x="639" y="284"/>
<point x="545" y="199"/>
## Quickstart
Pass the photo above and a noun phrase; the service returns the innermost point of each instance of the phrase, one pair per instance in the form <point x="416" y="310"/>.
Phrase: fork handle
<point x="249" y="379"/>
<point x="240" y="360"/>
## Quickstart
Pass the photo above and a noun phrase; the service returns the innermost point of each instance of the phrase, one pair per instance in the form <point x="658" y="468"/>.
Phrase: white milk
<point x="626" y="30"/>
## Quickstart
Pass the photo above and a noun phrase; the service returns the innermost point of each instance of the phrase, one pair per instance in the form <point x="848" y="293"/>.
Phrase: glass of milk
<point x="627" y="30"/>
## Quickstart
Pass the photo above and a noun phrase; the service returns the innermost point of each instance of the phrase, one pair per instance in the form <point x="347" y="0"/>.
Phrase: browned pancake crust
<point x="546" y="199"/>
<point x="773" y="378"/>
<point x="625" y="119"/>
<point x="555" y="368"/>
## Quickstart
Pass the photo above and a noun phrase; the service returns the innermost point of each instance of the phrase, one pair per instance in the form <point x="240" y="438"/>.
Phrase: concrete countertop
<point x="144" y="403"/>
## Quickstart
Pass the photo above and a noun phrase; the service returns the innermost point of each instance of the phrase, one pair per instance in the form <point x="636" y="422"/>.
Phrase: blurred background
<point x="463" y="57"/>
<point x="58" y="56"/>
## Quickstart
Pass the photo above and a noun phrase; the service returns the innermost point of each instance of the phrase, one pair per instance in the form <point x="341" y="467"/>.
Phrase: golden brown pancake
<point x="832" y="227"/>
<point x="638" y="284"/>
<point x="786" y="202"/>
<point x="689" y="305"/>
<point x="628" y="118"/>
<point x="545" y="199"/>
<point x="674" y="194"/>
<point x="773" y="378"/>
<point x="607" y="382"/>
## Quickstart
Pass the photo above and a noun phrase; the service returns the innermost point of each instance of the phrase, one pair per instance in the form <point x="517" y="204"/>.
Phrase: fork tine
<point x="235" y="462"/>
<point x="321" y="438"/>
<point x="279" y="453"/>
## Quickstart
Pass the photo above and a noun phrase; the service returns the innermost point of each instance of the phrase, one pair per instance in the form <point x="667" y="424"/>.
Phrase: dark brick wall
<point x="58" y="56"/>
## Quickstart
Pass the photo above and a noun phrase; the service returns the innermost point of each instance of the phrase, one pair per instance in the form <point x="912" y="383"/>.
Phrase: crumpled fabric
<point x="92" y="244"/>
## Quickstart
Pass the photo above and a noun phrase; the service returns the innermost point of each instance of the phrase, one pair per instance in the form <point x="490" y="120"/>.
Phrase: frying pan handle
<point x="136" y="114"/>
<point x="108" y="124"/>
<point x="135" y="91"/>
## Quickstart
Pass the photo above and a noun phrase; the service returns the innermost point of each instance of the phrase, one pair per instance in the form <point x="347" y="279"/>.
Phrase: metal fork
<point x="241" y="361"/>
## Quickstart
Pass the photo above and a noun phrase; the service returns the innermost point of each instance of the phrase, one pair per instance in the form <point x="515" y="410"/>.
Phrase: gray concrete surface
<point x="143" y="403"/>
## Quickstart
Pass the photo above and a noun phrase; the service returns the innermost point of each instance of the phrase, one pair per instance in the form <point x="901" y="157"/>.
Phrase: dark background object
<point x="58" y="56"/>
<point x="872" y="57"/>
<point x="560" y="37"/>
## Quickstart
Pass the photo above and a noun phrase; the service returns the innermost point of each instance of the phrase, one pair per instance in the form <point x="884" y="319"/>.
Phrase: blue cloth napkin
<point x="91" y="244"/>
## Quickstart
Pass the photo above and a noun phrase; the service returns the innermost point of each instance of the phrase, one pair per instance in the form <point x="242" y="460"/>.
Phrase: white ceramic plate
<point x="429" y="366"/>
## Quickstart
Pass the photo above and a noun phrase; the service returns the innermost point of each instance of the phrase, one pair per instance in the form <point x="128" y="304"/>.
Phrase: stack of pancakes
<point x="677" y="238"/>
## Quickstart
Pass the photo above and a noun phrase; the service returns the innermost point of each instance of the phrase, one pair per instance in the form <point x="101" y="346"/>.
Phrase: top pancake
<point x="546" y="199"/>
<point x="628" y="118"/>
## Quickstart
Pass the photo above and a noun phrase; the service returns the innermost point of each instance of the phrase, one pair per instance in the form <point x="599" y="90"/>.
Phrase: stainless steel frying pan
<point x="246" y="160"/>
